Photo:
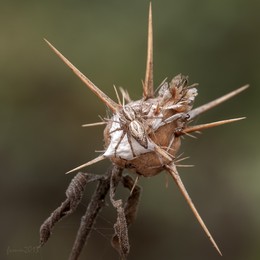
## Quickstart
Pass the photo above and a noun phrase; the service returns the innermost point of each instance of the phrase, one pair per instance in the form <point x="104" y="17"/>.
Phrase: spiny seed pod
<point x="157" y="121"/>
<point x="144" y="135"/>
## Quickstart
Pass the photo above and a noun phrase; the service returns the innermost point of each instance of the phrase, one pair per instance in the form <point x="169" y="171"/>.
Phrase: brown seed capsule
<point x="154" y="132"/>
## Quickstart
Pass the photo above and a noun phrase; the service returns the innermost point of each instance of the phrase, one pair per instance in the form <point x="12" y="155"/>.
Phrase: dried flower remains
<point x="143" y="136"/>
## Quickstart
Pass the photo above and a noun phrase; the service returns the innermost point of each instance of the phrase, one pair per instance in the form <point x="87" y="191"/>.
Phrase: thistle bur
<point x="145" y="135"/>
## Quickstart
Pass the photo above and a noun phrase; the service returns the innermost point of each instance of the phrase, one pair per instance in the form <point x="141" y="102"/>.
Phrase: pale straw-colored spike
<point x="190" y="135"/>
<point x="125" y="95"/>
<point x="117" y="96"/>
<point x="180" y="156"/>
<point x="98" y="159"/>
<point x="162" y="152"/>
<point x="171" y="168"/>
<point x="94" y="124"/>
<point x="100" y="151"/>
<point x="148" y="83"/>
<point x="199" y="110"/>
<point x="156" y="90"/>
<point x="194" y="128"/>
<point x="181" y="159"/>
<point x="100" y="94"/>
<point x="134" y="185"/>
<point x="171" y="142"/>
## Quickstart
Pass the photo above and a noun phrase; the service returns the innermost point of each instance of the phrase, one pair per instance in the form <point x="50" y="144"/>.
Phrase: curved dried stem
<point x="93" y="209"/>
<point x="100" y="94"/>
<point x="120" y="240"/>
<point x="148" y="83"/>
<point x="74" y="194"/>
<point x="199" y="110"/>
<point x="171" y="168"/>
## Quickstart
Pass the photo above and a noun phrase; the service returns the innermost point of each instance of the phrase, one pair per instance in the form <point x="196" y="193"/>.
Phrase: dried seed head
<point x="144" y="135"/>
<point x="144" y="125"/>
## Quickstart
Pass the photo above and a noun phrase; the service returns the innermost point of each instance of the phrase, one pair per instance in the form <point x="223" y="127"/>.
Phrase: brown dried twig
<point x="88" y="220"/>
<point x="74" y="195"/>
<point x="120" y="227"/>
<point x="125" y="213"/>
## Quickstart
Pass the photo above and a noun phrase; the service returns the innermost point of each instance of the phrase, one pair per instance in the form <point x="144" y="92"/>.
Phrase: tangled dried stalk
<point x="74" y="195"/>
<point x="126" y="211"/>
<point x="143" y="136"/>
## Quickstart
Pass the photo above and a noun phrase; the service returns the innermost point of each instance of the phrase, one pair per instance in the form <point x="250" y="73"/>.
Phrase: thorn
<point x="135" y="183"/>
<point x="100" y="94"/>
<point x="94" y="124"/>
<point x="190" y="135"/>
<point x="185" y="165"/>
<point x="181" y="159"/>
<point x="194" y="128"/>
<point x="117" y="96"/>
<point x="162" y="153"/>
<point x="148" y="83"/>
<point x="125" y="95"/>
<point x="199" y="110"/>
<point x="97" y="159"/>
<point x="174" y="173"/>
<point x="161" y="84"/>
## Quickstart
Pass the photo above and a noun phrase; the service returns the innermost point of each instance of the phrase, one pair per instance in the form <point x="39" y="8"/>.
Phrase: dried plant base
<point x="126" y="212"/>
<point x="74" y="195"/>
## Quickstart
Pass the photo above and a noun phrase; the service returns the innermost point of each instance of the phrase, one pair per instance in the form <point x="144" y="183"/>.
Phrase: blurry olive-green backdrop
<point x="43" y="105"/>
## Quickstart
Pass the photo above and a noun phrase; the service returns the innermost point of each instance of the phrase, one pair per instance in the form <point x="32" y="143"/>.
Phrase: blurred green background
<point x="42" y="105"/>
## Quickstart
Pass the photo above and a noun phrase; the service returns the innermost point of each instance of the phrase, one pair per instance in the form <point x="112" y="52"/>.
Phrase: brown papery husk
<point x="151" y="163"/>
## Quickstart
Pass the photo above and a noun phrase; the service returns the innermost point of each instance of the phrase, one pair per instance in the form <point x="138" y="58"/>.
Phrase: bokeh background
<point x="42" y="106"/>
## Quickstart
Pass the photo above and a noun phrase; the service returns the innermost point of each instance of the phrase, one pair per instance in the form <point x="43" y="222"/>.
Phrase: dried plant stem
<point x="174" y="173"/>
<point x="88" y="220"/>
<point x="133" y="200"/>
<point x="74" y="195"/>
<point x="126" y="213"/>
<point x="120" y="240"/>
